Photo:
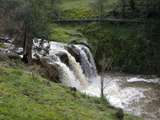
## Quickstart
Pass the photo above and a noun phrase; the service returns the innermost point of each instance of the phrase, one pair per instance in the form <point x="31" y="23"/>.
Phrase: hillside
<point x="84" y="8"/>
<point x="28" y="96"/>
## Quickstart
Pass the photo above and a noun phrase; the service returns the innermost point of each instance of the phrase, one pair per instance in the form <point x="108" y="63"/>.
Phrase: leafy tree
<point x="27" y="19"/>
<point x="34" y="16"/>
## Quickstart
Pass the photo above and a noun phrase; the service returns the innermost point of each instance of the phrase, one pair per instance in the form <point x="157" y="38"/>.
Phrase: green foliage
<point x="59" y="34"/>
<point x="124" y="45"/>
<point x="65" y="33"/>
<point x="33" y="15"/>
<point x="2" y="45"/>
<point x="128" y="48"/>
<point x="84" y="8"/>
<point x="72" y="4"/>
<point x="78" y="13"/>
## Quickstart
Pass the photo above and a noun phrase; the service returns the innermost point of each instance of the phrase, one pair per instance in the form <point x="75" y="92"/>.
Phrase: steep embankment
<point x="24" y="95"/>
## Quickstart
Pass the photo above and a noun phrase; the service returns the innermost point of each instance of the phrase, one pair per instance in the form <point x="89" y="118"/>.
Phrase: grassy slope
<point x="85" y="4"/>
<point x="65" y="33"/>
<point x="70" y="4"/>
<point x="30" y="97"/>
<point x="84" y="8"/>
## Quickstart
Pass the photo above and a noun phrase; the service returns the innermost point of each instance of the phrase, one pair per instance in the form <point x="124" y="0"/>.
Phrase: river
<point x="135" y="94"/>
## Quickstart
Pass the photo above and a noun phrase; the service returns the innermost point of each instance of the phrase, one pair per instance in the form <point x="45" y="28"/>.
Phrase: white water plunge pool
<point x="134" y="94"/>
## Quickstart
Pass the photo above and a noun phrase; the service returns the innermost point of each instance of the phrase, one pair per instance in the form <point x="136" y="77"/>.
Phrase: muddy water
<point x="139" y="95"/>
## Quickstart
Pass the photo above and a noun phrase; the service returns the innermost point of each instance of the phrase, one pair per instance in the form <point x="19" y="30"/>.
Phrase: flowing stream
<point x="138" y="95"/>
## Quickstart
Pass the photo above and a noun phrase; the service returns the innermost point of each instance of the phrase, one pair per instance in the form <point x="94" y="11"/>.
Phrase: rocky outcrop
<point x="85" y="43"/>
<point x="5" y="39"/>
<point x="59" y="62"/>
<point x="51" y="70"/>
<point x="63" y="57"/>
<point x="74" y="52"/>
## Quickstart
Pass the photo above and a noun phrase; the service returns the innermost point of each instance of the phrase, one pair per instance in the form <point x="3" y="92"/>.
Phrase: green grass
<point x="66" y="34"/>
<point x="71" y="4"/>
<point x="2" y="45"/>
<point x="24" y="96"/>
<point x="84" y="8"/>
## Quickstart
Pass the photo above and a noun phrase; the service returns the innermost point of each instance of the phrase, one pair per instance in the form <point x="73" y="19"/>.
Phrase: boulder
<point x="82" y="42"/>
<point x="50" y="69"/>
<point x="5" y="56"/>
<point x="74" y="52"/>
<point x="64" y="58"/>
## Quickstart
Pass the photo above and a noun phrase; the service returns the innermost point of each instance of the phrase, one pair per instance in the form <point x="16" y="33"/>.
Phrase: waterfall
<point x="87" y="61"/>
<point x="75" y="66"/>
<point x="67" y="76"/>
<point x="71" y="72"/>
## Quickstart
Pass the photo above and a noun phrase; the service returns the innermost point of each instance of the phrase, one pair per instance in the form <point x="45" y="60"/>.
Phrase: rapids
<point x="138" y="95"/>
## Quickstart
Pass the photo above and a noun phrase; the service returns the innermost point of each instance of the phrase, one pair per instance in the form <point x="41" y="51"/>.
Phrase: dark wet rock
<point x="5" y="39"/>
<point x="120" y="114"/>
<point x="85" y="43"/>
<point x="41" y="46"/>
<point x="3" y="56"/>
<point x="74" y="52"/>
<point x="63" y="57"/>
<point x="73" y="89"/>
<point x="50" y="69"/>
<point x="6" y="56"/>
<point x="13" y="56"/>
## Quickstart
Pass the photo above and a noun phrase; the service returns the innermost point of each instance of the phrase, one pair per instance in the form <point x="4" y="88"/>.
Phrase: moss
<point x="2" y="45"/>
<point x="24" y="97"/>
<point x="78" y="13"/>
<point x="84" y="8"/>
<point x="65" y="34"/>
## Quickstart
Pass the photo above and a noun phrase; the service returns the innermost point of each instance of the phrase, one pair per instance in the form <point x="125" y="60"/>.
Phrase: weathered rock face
<point x="83" y="55"/>
<point x="69" y="64"/>
<point x="5" y="39"/>
<point x="74" y="52"/>
<point x="8" y="51"/>
<point x="63" y="57"/>
<point x="3" y="56"/>
<point x="50" y="69"/>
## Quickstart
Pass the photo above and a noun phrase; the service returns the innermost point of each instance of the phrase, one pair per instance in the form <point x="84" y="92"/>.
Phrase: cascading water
<point x="67" y="77"/>
<point x="75" y="66"/>
<point x="87" y="62"/>
<point x="72" y="73"/>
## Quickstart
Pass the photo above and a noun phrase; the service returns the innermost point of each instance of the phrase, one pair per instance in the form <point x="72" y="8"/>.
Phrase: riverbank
<point x="135" y="94"/>
<point x="26" y="95"/>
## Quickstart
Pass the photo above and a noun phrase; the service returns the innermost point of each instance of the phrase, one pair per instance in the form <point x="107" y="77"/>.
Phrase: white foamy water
<point x="87" y="61"/>
<point x="75" y="66"/>
<point x="144" y="80"/>
<point x="71" y="72"/>
<point x="122" y="92"/>
<point x="67" y="77"/>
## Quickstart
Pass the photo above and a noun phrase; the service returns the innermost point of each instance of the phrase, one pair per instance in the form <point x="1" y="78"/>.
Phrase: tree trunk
<point x="102" y="87"/>
<point x="27" y="46"/>
<point x="123" y="8"/>
<point x="100" y="11"/>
